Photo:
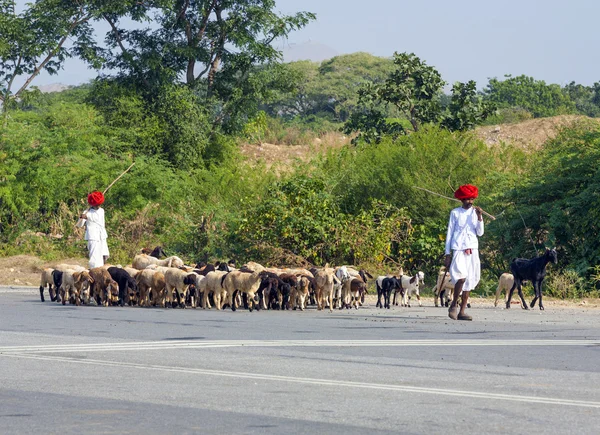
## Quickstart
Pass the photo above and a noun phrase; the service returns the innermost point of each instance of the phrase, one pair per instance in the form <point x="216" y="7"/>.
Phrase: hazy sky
<point x="551" y="40"/>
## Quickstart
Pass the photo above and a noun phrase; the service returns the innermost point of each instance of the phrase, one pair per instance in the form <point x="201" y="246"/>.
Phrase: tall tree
<point x="35" y="40"/>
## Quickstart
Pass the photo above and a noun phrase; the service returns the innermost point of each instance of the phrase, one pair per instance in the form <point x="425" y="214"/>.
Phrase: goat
<point x="157" y="252"/>
<point x="125" y="281"/>
<point x="325" y="279"/>
<point x="385" y="285"/>
<point x="410" y="285"/>
<point x="352" y="292"/>
<point x="57" y="276"/>
<point x="533" y="270"/>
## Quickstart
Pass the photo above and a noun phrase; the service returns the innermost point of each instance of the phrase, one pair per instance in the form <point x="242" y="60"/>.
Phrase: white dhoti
<point x="97" y="250"/>
<point x="467" y="267"/>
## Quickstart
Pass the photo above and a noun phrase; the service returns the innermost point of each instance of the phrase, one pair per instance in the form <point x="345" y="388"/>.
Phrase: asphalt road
<point x="67" y="369"/>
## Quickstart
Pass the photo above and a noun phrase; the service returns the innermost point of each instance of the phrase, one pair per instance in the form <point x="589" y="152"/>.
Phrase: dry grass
<point x="283" y="157"/>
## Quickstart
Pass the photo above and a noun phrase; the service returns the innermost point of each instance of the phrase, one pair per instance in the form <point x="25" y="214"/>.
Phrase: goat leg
<point x="510" y="293"/>
<point x="42" y="294"/>
<point x="520" y="289"/>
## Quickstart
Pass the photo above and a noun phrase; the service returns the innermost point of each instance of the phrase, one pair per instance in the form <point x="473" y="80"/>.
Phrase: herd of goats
<point x="168" y="282"/>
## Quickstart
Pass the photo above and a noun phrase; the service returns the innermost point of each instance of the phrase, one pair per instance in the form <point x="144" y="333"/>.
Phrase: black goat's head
<point x="551" y="255"/>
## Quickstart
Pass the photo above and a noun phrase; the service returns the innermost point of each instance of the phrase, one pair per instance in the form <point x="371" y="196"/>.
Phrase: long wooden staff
<point x="80" y="222"/>
<point x="453" y="199"/>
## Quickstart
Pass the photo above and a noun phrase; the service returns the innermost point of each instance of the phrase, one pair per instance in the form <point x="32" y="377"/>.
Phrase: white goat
<point x="410" y="285"/>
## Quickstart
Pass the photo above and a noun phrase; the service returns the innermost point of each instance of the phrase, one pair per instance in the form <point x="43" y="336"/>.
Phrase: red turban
<point x="95" y="198"/>
<point x="466" y="191"/>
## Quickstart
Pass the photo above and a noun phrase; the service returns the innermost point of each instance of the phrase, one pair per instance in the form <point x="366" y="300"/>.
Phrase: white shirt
<point x="94" y="225"/>
<point x="463" y="229"/>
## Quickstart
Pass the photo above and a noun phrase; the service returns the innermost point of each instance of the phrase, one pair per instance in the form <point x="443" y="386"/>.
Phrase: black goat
<point x="533" y="270"/>
<point x="387" y="285"/>
<point x="122" y="277"/>
<point x="57" y="277"/>
<point x="157" y="252"/>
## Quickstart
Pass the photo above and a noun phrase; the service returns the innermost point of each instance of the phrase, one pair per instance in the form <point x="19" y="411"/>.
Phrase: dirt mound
<point x="530" y="135"/>
<point x="26" y="269"/>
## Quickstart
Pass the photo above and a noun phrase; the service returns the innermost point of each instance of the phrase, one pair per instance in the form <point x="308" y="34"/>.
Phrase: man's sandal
<point x="453" y="313"/>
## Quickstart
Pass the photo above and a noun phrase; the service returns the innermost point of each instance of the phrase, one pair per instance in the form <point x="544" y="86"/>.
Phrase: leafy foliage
<point x="532" y="95"/>
<point x="558" y="204"/>
<point x="414" y="90"/>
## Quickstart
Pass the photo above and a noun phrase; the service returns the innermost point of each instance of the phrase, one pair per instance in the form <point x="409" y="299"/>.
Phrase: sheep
<point x="212" y="284"/>
<point x="72" y="284"/>
<point x="325" y="279"/>
<point x="179" y="281"/>
<point x="142" y="261"/>
<point x="103" y="286"/>
<point x="125" y="281"/>
<point x="251" y="266"/>
<point x="409" y="285"/>
<point x="505" y="282"/>
<point x="533" y="270"/>
<point x="240" y="282"/>
<point x="74" y="267"/>
<point x="158" y="289"/>
<point x="144" y="283"/>
<point x="194" y="290"/>
<point x="47" y="280"/>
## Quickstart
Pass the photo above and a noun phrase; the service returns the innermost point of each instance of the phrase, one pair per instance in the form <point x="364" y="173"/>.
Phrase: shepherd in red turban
<point x="95" y="198"/>
<point x="466" y="191"/>
<point x="462" y="249"/>
<point x="95" y="230"/>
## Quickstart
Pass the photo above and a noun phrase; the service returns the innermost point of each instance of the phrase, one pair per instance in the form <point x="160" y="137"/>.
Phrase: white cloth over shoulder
<point x="463" y="230"/>
<point x="95" y="234"/>
<point x="94" y="225"/>
<point x="466" y="266"/>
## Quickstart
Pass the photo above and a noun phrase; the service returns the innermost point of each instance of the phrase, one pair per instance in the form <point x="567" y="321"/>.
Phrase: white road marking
<point x="206" y="344"/>
<point x="321" y="382"/>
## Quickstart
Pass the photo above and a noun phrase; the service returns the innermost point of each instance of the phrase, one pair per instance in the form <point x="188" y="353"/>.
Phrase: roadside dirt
<point x="26" y="269"/>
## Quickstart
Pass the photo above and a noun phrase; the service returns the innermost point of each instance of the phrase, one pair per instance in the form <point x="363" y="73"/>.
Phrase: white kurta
<point x="95" y="234"/>
<point x="463" y="229"/>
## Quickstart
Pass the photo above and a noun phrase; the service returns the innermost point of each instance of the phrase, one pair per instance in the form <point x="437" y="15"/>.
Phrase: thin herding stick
<point x="453" y="199"/>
